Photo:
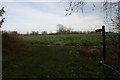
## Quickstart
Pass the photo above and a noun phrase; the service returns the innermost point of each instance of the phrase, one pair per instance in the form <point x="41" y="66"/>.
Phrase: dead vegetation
<point x="93" y="53"/>
<point x="12" y="45"/>
<point x="62" y="42"/>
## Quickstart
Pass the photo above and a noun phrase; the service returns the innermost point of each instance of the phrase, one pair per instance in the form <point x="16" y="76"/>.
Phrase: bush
<point x="12" y="44"/>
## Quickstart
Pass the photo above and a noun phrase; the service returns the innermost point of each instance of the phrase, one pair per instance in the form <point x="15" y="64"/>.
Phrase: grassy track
<point x="45" y="59"/>
<point x="55" y="61"/>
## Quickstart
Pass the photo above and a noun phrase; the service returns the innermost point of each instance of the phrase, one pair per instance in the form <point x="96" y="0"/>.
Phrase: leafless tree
<point x="44" y="32"/>
<point x="111" y="9"/>
<point x="34" y="33"/>
<point x="63" y="29"/>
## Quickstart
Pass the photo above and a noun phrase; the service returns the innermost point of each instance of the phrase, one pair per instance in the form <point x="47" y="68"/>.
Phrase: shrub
<point x="12" y="45"/>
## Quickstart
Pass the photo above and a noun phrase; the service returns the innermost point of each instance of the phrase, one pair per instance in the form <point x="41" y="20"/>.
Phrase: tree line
<point x="61" y="29"/>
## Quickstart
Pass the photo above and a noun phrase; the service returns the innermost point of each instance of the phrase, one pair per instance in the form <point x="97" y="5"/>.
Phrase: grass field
<point x="67" y="39"/>
<point x="84" y="41"/>
<point x="57" y="56"/>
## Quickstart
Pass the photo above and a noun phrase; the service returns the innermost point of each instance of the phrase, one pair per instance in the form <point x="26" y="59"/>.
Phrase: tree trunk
<point x="119" y="35"/>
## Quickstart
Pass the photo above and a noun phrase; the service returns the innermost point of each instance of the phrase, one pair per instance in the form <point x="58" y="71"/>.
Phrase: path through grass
<point x="54" y="62"/>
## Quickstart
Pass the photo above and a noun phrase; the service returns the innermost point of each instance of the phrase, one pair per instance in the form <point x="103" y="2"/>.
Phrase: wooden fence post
<point x="103" y="42"/>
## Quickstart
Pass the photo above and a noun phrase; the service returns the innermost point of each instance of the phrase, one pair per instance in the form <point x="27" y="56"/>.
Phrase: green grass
<point x="46" y="60"/>
<point x="54" y="62"/>
<point x="75" y="39"/>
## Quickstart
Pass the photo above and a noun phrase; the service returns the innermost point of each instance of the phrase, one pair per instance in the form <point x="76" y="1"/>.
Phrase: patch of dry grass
<point x="12" y="45"/>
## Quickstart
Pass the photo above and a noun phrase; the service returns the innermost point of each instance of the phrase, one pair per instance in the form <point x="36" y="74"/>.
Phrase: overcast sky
<point x="44" y="16"/>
